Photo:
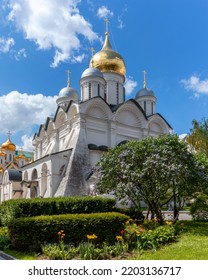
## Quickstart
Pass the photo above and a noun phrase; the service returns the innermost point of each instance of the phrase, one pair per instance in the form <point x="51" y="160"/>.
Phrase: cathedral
<point x="68" y="146"/>
<point x="11" y="161"/>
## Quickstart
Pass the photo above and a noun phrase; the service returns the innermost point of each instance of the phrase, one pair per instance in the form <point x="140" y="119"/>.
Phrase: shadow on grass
<point x="195" y="227"/>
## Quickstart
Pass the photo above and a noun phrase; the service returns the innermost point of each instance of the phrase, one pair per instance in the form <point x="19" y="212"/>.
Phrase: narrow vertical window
<point x="98" y="89"/>
<point x="105" y="92"/>
<point x="145" y="106"/>
<point x="152" y="108"/>
<point x="124" y="94"/>
<point x="90" y="90"/>
<point x="117" y="93"/>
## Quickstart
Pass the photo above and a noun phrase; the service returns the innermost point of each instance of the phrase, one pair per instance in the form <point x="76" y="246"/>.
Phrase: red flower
<point x="122" y="231"/>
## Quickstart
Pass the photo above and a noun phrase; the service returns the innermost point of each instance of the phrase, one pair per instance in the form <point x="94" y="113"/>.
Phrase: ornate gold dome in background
<point x="21" y="156"/>
<point x="2" y="154"/>
<point x="8" y="145"/>
<point x="107" y="60"/>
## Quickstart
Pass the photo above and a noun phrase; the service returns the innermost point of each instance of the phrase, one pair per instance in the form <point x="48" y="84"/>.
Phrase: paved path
<point x="183" y="215"/>
<point x="4" y="256"/>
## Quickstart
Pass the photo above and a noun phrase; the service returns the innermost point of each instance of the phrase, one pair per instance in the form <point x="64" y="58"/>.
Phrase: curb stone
<point x="6" y="256"/>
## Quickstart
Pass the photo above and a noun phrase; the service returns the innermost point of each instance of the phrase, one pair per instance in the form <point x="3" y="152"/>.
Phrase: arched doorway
<point x="34" y="184"/>
<point x="33" y="192"/>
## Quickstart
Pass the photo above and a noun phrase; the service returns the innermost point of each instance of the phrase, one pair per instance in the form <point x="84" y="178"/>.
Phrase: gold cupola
<point x="8" y="145"/>
<point x="2" y="154"/>
<point x="108" y="60"/>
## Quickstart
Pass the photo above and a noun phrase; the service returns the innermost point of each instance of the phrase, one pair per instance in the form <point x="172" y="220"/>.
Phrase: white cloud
<point x="52" y="24"/>
<point x="196" y="85"/>
<point x="103" y="12"/>
<point x="26" y="143"/>
<point x="121" y="24"/>
<point x="6" y="44"/>
<point x="20" y="54"/>
<point x="78" y="58"/>
<point x="21" y="112"/>
<point x="130" y="85"/>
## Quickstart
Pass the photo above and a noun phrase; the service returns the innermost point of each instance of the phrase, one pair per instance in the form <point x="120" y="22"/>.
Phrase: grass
<point x="21" y="255"/>
<point x="192" y="244"/>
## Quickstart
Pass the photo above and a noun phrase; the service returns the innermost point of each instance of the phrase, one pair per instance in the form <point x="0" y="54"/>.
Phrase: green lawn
<point x="192" y="244"/>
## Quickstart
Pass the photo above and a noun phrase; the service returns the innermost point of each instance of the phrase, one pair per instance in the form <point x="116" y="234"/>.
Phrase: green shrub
<point x="57" y="252"/>
<point x="153" y="239"/>
<point x="13" y="209"/>
<point x="142" y="237"/>
<point x="4" y="238"/>
<point x="30" y="233"/>
<point x="199" y="208"/>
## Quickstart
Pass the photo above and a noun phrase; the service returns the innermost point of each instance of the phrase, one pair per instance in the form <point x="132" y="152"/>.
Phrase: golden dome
<point x="2" y="154"/>
<point x="107" y="60"/>
<point x="1" y="170"/>
<point x="21" y="156"/>
<point x="8" y="145"/>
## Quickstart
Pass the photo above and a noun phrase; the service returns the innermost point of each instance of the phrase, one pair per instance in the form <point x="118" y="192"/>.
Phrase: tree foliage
<point x="198" y="136"/>
<point x="154" y="170"/>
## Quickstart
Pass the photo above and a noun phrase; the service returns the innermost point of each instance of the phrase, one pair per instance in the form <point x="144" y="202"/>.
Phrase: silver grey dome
<point x="92" y="72"/>
<point x="68" y="92"/>
<point x="144" y="92"/>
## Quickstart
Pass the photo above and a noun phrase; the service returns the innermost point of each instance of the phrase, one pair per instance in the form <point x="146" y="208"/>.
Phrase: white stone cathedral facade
<point x="68" y="146"/>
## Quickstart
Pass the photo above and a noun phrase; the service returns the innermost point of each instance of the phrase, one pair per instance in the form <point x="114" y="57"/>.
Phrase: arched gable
<point x="60" y="118"/>
<point x="97" y="108"/>
<point x="42" y="134"/>
<point x="73" y="111"/>
<point x="130" y="114"/>
<point x="50" y="127"/>
<point x="157" y="124"/>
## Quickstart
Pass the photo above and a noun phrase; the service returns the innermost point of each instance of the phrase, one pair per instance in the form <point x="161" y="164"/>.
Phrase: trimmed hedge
<point x="13" y="209"/>
<point x="30" y="233"/>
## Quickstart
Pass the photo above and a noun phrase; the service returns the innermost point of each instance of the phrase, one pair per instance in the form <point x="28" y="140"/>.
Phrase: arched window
<point x="34" y="174"/>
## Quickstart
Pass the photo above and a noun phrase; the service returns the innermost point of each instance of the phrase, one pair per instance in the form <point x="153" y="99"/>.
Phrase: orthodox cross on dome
<point x="92" y="50"/>
<point x="145" y="73"/>
<point x="106" y="25"/>
<point x="9" y="134"/>
<point x="68" y="80"/>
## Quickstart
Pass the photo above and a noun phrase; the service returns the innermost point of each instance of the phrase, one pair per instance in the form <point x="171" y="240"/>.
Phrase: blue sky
<point x="41" y="39"/>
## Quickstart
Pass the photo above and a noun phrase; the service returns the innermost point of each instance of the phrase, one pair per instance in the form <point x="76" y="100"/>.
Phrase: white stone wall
<point x="112" y="90"/>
